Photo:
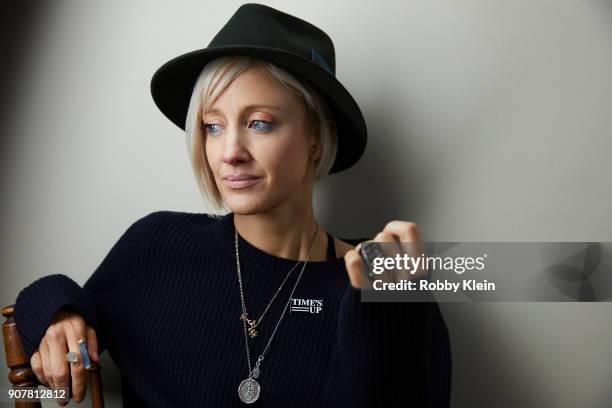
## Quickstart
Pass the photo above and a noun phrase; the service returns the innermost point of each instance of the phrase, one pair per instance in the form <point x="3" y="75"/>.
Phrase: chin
<point x="244" y="205"/>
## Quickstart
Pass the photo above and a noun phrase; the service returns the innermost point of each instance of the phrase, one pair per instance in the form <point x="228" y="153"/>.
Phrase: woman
<point x="260" y="305"/>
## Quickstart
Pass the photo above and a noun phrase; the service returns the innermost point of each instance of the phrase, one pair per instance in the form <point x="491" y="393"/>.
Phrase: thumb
<point x="353" y="263"/>
<point x="92" y="344"/>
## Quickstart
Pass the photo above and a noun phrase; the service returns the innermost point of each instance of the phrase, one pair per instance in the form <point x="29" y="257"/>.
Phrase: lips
<point x="239" y="177"/>
<point x="240" y="180"/>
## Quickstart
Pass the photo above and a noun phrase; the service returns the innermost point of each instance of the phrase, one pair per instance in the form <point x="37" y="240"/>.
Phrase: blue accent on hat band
<point x="317" y="58"/>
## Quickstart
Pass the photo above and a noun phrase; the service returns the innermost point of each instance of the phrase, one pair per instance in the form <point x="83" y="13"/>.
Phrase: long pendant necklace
<point x="249" y="389"/>
<point x="253" y="324"/>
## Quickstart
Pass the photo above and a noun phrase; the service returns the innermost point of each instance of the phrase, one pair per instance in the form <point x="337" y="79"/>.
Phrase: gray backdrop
<point x="488" y="121"/>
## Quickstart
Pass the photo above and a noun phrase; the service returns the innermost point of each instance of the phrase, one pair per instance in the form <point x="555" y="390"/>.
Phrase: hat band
<point x="319" y="60"/>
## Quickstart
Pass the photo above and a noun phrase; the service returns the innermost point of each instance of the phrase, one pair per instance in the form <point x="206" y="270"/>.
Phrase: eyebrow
<point x="248" y="107"/>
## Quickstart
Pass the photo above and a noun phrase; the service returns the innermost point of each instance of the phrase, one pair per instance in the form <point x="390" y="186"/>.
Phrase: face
<point x="257" y="145"/>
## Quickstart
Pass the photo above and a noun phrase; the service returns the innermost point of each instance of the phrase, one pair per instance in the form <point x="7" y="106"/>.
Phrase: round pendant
<point x="248" y="390"/>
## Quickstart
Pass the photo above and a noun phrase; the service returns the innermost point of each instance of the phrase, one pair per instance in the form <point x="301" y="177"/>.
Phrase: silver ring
<point x="72" y="357"/>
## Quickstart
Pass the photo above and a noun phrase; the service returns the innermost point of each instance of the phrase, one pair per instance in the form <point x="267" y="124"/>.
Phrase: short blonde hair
<point x="214" y="79"/>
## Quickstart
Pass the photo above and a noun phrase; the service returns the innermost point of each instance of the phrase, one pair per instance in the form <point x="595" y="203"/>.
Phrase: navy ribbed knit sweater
<point x="165" y="303"/>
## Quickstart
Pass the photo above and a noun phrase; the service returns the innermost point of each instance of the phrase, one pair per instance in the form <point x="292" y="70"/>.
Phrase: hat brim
<point x="172" y="85"/>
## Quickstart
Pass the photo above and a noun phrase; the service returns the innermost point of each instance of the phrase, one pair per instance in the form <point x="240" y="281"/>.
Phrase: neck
<point x="286" y="233"/>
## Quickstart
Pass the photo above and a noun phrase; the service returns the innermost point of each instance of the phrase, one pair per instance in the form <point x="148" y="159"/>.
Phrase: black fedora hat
<point x="291" y="43"/>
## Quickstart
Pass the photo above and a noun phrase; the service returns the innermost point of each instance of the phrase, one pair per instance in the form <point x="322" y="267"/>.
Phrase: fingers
<point x="394" y="231"/>
<point x="92" y="344"/>
<point x="384" y="236"/>
<point x="408" y="238"/>
<point x="408" y="233"/>
<point x="57" y="356"/>
<point x="404" y="231"/>
<point x="78" y="374"/>
<point x="49" y="362"/>
<point x="46" y="362"/>
<point x="37" y="367"/>
<point x="353" y="263"/>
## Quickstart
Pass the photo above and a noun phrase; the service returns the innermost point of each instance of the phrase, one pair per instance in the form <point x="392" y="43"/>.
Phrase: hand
<point x="49" y="360"/>
<point x="394" y="231"/>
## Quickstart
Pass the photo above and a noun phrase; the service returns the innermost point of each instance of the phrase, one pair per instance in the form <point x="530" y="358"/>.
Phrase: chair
<point x="21" y="374"/>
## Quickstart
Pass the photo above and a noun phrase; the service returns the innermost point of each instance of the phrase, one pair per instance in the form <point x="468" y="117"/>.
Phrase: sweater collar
<point x="221" y="234"/>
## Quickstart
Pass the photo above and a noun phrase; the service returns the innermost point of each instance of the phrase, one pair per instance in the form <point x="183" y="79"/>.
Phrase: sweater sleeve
<point x="383" y="355"/>
<point x="37" y="303"/>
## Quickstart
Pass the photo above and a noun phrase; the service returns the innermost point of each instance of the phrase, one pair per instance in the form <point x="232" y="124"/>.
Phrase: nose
<point x="234" y="149"/>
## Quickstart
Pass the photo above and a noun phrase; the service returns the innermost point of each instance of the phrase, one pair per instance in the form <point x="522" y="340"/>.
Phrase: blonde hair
<point x="213" y="80"/>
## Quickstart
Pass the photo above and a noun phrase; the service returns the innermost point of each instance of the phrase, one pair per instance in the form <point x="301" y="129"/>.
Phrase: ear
<point x="315" y="147"/>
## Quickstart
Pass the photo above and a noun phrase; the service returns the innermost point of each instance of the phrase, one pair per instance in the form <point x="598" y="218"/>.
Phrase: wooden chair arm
<point x="21" y="374"/>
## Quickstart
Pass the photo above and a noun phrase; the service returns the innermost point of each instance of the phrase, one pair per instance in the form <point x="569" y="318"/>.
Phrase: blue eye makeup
<point x="207" y="127"/>
<point x="261" y="125"/>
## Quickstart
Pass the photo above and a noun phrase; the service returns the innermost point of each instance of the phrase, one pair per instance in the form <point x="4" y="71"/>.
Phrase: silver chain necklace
<point x="249" y="388"/>
<point x="253" y="324"/>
